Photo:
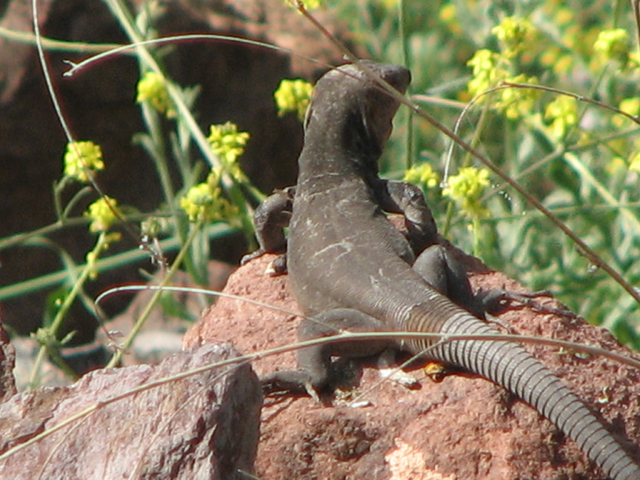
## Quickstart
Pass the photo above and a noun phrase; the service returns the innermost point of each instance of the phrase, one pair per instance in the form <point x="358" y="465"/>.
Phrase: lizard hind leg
<point x="314" y="371"/>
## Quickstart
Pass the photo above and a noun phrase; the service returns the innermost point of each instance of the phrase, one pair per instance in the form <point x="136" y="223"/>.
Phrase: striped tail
<point x="511" y="366"/>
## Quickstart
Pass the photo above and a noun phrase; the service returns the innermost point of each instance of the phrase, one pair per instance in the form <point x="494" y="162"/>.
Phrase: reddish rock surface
<point x="7" y="364"/>
<point x="203" y="426"/>
<point x="460" y="428"/>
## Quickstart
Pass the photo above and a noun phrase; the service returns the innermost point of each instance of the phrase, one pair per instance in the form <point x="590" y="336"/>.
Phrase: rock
<point x="160" y="336"/>
<point x="7" y="364"/>
<point x="462" y="427"/>
<point x="203" y="426"/>
<point x="27" y="350"/>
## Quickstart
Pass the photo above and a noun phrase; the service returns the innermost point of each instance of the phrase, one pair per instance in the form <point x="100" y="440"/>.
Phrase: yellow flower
<point x="308" y="4"/>
<point x="518" y="102"/>
<point x="199" y="203"/>
<point x="103" y="213"/>
<point x="486" y="73"/>
<point x="630" y="106"/>
<point x="205" y="202"/>
<point x="449" y="16"/>
<point x="634" y="163"/>
<point x="466" y="189"/>
<point x="81" y="158"/>
<point x="563" y="113"/>
<point x="422" y="174"/>
<point x="293" y="96"/>
<point x="153" y="89"/>
<point x="514" y="34"/>
<point x="227" y="142"/>
<point x="613" y="44"/>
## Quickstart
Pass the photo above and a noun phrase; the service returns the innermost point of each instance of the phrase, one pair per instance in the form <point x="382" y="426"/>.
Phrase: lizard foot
<point x="495" y="301"/>
<point x="389" y="369"/>
<point x="289" y="381"/>
<point x="250" y="256"/>
<point x="278" y="266"/>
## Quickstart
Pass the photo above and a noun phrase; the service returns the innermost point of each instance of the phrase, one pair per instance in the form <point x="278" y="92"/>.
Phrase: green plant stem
<point x="51" y="331"/>
<point x="477" y="246"/>
<point x="406" y="60"/>
<point x="56" y="45"/>
<point x="581" y="169"/>
<point x="21" y="238"/>
<point x="102" y="265"/>
<point x="468" y="158"/>
<point x="158" y="154"/>
<point x="115" y="360"/>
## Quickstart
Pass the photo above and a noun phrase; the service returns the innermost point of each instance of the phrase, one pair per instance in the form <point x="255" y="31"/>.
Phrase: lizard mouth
<point x="399" y="78"/>
<point x="383" y="105"/>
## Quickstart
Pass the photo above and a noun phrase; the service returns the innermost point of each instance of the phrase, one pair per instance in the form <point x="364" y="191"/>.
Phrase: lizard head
<point x="353" y="107"/>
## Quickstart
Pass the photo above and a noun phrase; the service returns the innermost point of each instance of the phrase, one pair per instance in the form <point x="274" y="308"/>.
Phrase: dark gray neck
<point x="340" y="147"/>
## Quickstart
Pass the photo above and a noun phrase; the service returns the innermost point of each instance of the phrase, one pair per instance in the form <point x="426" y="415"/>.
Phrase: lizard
<point x="350" y="269"/>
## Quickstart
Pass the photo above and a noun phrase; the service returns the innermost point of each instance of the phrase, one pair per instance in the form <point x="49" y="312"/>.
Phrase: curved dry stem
<point x="122" y="49"/>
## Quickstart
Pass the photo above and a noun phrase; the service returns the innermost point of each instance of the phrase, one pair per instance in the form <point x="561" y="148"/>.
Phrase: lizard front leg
<point x="314" y="363"/>
<point x="434" y="262"/>
<point x="270" y="219"/>
<point x="408" y="200"/>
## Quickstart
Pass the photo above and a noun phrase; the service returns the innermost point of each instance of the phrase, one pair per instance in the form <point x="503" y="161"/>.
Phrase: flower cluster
<point x="634" y="162"/>
<point x="227" y="142"/>
<point x="293" y="96"/>
<point x="613" y="45"/>
<point x="200" y="202"/>
<point x="466" y="189"/>
<point x="488" y="72"/>
<point x="563" y="114"/>
<point x="308" y="4"/>
<point x="514" y="34"/>
<point x="630" y="106"/>
<point x="103" y="213"/>
<point x="491" y="69"/>
<point x="449" y="16"/>
<point x="204" y="201"/>
<point x="422" y="174"/>
<point x="152" y="88"/>
<point x="81" y="158"/>
<point x="518" y="102"/>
